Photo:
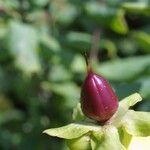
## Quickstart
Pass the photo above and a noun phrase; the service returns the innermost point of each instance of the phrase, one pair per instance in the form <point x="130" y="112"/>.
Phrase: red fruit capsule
<point x="98" y="100"/>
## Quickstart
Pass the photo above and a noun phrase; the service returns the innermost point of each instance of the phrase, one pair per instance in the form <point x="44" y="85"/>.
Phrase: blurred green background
<point x="42" y="66"/>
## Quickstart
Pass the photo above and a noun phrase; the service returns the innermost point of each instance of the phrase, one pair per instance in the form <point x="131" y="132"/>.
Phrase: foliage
<point x="42" y="67"/>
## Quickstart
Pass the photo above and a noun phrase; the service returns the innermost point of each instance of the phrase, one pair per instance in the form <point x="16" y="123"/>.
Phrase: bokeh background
<point x="42" y="67"/>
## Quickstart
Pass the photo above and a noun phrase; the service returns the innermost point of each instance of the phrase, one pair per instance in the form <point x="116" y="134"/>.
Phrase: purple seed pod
<point x="98" y="100"/>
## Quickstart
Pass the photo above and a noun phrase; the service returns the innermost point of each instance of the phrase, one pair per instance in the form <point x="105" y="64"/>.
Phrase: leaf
<point x="40" y="3"/>
<point x="118" y="23"/>
<point x="50" y="42"/>
<point x="67" y="90"/>
<point x="59" y="73"/>
<point x="78" y="64"/>
<point x="8" y="4"/>
<point x="108" y="141"/>
<point x="124" y="106"/>
<point x="107" y="16"/>
<point x="23" y="44"/>
<point x="110" y="47"/>
<point x="127" y="46"/>
<point x="124" y="69"/>
<point x="131" y="100"/>
<point x="79" y="40"/>
<point x="137" y="7"/>
<point x="101" y="13"/>
<point x="144" y="90"/>
<point x="137" y="123"/>
<point x="83" y="41"/>
<point x="16" y="115"/>
<point x="63" y="12"/>
<point x="72" y="130"/>
<point x="143" y="40"/>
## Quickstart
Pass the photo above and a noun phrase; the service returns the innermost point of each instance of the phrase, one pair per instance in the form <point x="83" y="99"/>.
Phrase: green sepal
<point x="137" y="123"/>
<point x="80" y="143"/>
<point x="73" y="130"/>
<point x="123" y="108"/>
<point x="77" y="114"/>
<point x="107" y="140"/>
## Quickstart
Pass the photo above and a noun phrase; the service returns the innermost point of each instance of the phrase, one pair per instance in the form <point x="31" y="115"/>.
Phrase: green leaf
<point x="144" y="90"/>
<point x="50" y="42"/>
<point x="118" y="23"/>
<point x="63" y="12"/>
<point x="72" y="130"/>
<point x="83" y="41"/>
<point x="40" y="3"/>
<point x="137" y="7"/>
<point x="107" y="16"/>
<point x="59" y="73"/>
<point x="23" y="42"/>
<point x="108" y="140"/>
<point x="78" y="64"/>
<point x="124" y="69"/>
<point x="131" y="100"/>
<point x="110" y="47"/>
<point x="124" y="106"/>
<point x="16" y="115"/>
<point x="8" y="4"/>
<point x="79" y="40"/>
<point x="137" y="123"/>
<point x="127" y="46"/>
<point x="143" y="40"/>
<point x="67" y="90"/>
<point x="101" y="13"/>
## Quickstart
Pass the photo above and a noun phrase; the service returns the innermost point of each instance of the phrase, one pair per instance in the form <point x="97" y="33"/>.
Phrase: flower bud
<point x="98" y="100"/>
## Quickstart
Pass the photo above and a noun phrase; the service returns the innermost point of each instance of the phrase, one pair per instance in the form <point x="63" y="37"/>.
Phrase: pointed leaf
<point x="137" y="7"/>
<point x="130" y="100"/>
<point x="72" y="131"/>
<point x="124" y="69"/>
<point x="107" y="16"/>
<point x="23" y="43"/>
<point x="124" y="106"/>
<point x="144" y="90"/>
<point x="143" y="40"/>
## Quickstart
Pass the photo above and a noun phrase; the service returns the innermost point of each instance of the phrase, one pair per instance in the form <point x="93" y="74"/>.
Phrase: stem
<point x="88" y="64"/>
<point x="95" y="44"/>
